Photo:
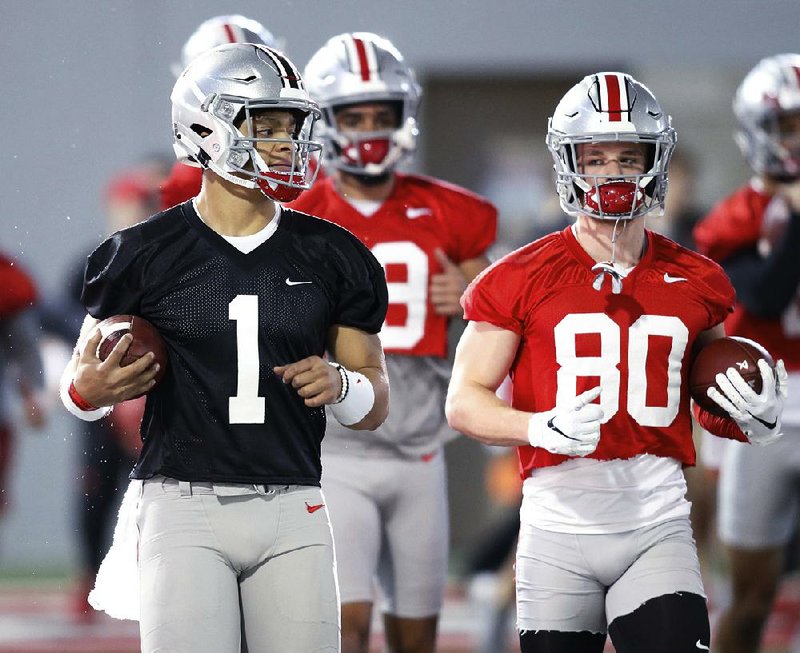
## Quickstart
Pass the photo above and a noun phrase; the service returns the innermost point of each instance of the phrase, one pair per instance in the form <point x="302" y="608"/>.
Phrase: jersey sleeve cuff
<point x="723" y="427"/>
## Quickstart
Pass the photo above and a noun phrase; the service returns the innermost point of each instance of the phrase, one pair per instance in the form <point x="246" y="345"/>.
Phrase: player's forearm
<point x="477" y="412"/>
<point x="24" y="349"/>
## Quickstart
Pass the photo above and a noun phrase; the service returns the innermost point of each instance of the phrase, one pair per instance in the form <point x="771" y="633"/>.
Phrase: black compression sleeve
<point x="767" y="285"/>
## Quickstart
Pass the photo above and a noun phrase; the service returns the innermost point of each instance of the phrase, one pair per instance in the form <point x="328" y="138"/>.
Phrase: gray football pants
<point x="572" y="582"/>
<point x="230" y="567"/>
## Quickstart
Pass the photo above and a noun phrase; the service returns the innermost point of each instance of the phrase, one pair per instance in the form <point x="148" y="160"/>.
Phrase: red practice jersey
<point x="637" y="345"/>
<point x="742" y="221"/>
<point x="17" y="290"/>
<point x="182" y="184"/>
<point x="419" y="217"/>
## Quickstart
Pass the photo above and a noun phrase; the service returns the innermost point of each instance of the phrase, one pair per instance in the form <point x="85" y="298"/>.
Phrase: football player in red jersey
<point x="755" y="235"/>
<point x="230" y="533"/>
<point x="108" y="446"/>
<point x="186" y="176"/>
<point x="387" y="491"/>
<point x="596" y="326"/>
<point x="20" y="361"/>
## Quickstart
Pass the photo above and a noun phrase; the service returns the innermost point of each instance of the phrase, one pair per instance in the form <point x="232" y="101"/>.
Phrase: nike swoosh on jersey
<point x="314" y="508"/>
<point x="412" y="213"/>
<point x="700" y="645"/>
<point x="289" y="282"/>
<point x="670" y="279"/>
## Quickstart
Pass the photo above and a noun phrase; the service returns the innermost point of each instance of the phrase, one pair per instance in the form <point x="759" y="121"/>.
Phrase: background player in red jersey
<point x="755" y="234"/>
<point x="234" y="543"/>
<point x="602" y="310"/>
<point x="387" y="490"/>
<point x="109" y="446"/>
<point x="20" y="362"/>
<point x="186" y="176"/>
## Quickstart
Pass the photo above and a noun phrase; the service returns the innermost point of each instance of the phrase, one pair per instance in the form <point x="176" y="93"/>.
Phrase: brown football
<point x="716" y="357"/>
<point x="145" y="338"/>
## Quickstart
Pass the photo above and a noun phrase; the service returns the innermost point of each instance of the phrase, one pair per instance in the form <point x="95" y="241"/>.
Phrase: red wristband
<point x="79" y="401"/>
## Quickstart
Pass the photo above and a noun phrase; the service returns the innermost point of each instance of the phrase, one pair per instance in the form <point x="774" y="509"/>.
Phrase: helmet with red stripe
<point x="361" y="68"/>
<point x="766" y="98"/>
<point x="602" y="108"/>
<point x="214" y="103"/>
<point x="220" y="30"/>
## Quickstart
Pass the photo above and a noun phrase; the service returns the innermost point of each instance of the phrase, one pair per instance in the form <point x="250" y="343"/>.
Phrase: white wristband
<point x="72" y="407"/>
<point x="356" y="399"/>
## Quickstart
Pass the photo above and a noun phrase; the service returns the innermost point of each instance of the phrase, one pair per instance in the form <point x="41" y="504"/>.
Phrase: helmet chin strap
<point x="227" y="176"/>
<point x="608" y="268"/>
<point x="603" y="269"/>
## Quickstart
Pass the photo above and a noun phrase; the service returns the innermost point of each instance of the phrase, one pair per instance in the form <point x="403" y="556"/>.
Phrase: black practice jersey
<point x="221" y="414"/>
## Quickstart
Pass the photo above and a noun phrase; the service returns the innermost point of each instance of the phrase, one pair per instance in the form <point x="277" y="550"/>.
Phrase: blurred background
<point x="85" y="96"/>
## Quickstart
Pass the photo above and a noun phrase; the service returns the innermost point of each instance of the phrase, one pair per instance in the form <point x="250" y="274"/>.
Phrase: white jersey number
<point x="412" y="293"/>
<point x="246" y="407"/>
<point x="606" y="364"/>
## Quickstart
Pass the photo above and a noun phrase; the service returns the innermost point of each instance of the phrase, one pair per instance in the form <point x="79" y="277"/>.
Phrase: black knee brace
<point x="552" y="641"/>
<point x="673" y="623"/>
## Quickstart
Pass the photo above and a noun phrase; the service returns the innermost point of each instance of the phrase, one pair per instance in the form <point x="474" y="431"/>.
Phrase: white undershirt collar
<point x="365" y="207"/>
<point x="247" y="244"/>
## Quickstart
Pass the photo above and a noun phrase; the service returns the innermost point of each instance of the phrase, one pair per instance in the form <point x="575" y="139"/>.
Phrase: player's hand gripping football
<point x="447" y="287"/>
<point x="572" y="430"/>
<point x="317" y="382"/>
<point x="105" y="383"/>
<point x="757" y="414"/>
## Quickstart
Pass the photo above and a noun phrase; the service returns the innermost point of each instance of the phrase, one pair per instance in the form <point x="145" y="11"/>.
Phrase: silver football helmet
<point x="213" y="103"/>
<point x="358" y="68"/>
<point x="220" y="30"/>
<point x="768" y="91"/>
<point x="610" y="107"/>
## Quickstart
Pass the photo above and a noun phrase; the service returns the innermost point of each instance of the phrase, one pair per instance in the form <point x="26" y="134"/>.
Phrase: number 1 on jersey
<point x="246" y="407"/>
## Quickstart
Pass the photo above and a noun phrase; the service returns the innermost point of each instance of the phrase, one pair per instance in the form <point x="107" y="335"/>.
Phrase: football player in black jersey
<point x="234" y="542"/>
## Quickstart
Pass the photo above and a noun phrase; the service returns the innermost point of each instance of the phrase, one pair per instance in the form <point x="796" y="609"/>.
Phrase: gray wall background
<point x="85" y="88"/>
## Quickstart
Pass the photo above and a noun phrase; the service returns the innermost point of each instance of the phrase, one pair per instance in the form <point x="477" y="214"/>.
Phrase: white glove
<point x="758" y="415"/>
<point x="572" y="431"/>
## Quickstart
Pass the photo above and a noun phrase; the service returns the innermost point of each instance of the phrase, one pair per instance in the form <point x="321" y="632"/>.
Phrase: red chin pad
<point x="616" y="198"/>
<point x="363" y="152"/>
<point x="281" y="192"/>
